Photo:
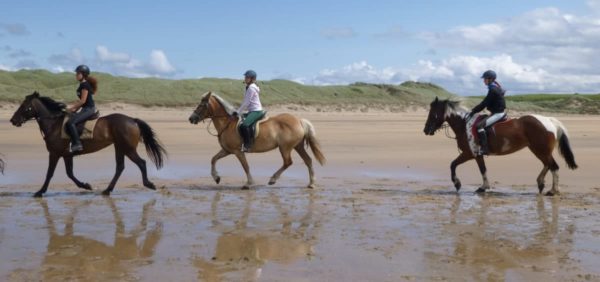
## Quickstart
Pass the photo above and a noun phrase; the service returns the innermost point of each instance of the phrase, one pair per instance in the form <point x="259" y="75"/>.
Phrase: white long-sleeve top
<point x="251" y="99"/>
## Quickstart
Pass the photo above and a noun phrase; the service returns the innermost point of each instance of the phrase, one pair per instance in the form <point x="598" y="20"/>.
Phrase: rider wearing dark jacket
<point x="494" y="102"/>
<point x="87" y="87"/>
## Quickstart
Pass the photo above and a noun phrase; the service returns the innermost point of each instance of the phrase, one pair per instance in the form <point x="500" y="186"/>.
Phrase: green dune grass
<point x="186" y="92"/>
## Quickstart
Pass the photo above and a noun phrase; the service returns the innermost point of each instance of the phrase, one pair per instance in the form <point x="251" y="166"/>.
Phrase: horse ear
<point x="36" y="94"/>
<point x="436" y="99"/>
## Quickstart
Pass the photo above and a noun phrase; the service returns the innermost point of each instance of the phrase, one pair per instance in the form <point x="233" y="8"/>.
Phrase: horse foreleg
<point x="483" y="171"/>
<point x="52" y="161"/>
<point x="554" y="170"/>
<point x="242" y="158"/>
<point x="213" y="162"/>
<point x="286" y="154"/>
<point x="308" y="161"/>
<point x="456" y="162"/>
<point x="69" y="168"/>
<point x="141" y="163"/>
<point x="120" y="159"/>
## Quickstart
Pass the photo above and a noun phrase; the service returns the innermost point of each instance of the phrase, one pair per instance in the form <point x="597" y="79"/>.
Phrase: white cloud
<point x="544" y="50"/>
<point x="104" y="55"/>
<point x="159" y="62"/>
<point x="5" y="68"/>
<point x="117" y="63"/>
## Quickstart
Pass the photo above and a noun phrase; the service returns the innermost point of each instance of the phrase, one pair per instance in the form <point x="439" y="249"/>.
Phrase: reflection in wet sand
<point x="491" y="252"/>
<point x="72" y="256"/>
<point x="241" y="251"/>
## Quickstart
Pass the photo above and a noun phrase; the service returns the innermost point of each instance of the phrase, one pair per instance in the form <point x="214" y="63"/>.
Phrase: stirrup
<point x="74" y="148"/>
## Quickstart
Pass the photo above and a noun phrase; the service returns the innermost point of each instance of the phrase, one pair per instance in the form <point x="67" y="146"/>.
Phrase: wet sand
<point x="385" y="210"/>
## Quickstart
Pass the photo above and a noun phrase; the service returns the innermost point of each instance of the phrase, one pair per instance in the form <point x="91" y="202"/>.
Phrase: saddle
<point x="255" y="127"/>
<point x="85" y="129"/>
<point x="472" y="135"/>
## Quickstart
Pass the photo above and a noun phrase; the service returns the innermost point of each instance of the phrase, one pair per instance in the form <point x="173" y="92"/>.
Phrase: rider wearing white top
<point x="255" y="110"/>
<point x="251" y="99"/>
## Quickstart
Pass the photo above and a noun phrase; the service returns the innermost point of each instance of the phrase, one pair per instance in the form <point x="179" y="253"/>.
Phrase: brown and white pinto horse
<point x="283" y="131"/>
<point x="539" y="133"/>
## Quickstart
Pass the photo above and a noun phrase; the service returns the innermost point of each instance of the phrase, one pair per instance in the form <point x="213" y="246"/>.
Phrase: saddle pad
<point x="88" y="129"/>
<point x="256" y="124"/>
<point x="472" y="133"/>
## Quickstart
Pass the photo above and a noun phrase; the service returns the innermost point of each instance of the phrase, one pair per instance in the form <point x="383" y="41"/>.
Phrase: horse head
<point x="34" y="106"/>
<point x="203" y="110"/>
<point x="436" y="117"/>
<point x="26" y="111"/>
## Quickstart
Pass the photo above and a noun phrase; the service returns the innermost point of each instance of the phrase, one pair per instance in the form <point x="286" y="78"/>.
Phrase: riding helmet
<point x="83" y="69"/>
<point x="250" y="74"/>
<point x="489" y="74"/>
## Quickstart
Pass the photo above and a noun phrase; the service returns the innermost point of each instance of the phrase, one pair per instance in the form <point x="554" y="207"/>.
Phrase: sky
<point x="534" y="46"/>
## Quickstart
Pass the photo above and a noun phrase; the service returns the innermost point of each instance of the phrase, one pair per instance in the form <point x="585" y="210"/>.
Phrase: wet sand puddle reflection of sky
<point x="350" y="232"/>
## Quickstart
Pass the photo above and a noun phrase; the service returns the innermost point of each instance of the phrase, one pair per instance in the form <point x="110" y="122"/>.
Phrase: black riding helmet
<point x="250" y="74"/>
<point x="489" y="74"/>
<point x="83" y="69"/>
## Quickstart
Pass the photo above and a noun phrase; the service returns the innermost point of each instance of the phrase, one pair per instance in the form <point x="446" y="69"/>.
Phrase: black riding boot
<point x="75" y="141"/>
<point x="483" y="142"/>
<point x="246" y="137"/>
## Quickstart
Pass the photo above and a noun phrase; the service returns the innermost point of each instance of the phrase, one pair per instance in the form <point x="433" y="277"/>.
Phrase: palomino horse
<point x="283" y="131"/>
<point x="122" y="131"/>
<point x="539" y="133"/>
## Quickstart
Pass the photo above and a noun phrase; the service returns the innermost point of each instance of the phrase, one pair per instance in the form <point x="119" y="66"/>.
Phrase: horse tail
<point x="154" y="148"/>
<point x="563" y="143"/>
<point x="311" y="140"/>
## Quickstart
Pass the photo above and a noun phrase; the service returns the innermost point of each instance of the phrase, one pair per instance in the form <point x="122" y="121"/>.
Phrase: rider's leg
<point x="482" y="137"/>
<point x="71" y="127"/>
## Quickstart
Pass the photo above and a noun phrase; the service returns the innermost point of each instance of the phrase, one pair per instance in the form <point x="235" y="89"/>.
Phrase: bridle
<point x="211" y="116"/>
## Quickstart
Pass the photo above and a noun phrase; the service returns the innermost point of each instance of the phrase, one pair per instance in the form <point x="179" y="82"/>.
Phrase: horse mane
<point x="52" y="105"/>
<point x="455" y="108"/>
<point x="226" y="105"/>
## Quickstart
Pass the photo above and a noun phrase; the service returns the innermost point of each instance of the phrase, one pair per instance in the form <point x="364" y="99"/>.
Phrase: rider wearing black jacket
<point x="494" y="102"/>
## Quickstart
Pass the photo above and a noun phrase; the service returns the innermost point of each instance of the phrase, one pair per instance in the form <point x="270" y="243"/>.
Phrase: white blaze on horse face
<point x="548" y="124"/>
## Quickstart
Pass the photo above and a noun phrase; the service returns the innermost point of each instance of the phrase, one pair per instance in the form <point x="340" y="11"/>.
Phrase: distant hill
<point x="186" y="92"/>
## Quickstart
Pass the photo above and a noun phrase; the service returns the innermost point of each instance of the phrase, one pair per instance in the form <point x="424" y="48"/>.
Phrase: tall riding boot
<point x="246" y="138"/>
<point x="75" y="141"/>
<point x="483" y="142"/>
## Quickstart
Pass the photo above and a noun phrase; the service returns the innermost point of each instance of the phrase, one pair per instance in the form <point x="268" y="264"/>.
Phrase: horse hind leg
<point x="308" y="161"/>
<point x="141" y="163"/>
<point x="286" y="154"/>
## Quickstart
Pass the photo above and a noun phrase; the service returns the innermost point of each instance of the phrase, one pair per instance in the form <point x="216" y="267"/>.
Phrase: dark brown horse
<point x="539" y="133"/>
<point x="1" y="166"/>
<point x="122" y="131"/>
<point x="283" y="131"/>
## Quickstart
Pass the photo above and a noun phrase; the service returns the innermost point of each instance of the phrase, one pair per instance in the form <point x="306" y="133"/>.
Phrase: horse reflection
<point x="492" y="255"/>
<point x="74" y="256"/>
<point x="245" y="250"/>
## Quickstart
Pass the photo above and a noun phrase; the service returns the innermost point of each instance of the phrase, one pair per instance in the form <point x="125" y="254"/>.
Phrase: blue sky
<point x="536" y="46"/>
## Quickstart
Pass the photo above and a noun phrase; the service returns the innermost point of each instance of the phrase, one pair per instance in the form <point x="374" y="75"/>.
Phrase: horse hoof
<point x="38" y="195"/>
<point x="541" y="187"/>
<point x="550" y="194"/>
<point x="311" y="186"/>
<point x="245" y="187"/>
<point x="480" y="190"/>
<point x="457" y="184"/>
<point x="105" y="193"/>
<point x="150" y="186"/>
<point x="271" y="182"/>
<point x="218" y="179"/>
<point x="86" y="186"/>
